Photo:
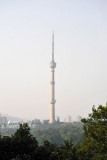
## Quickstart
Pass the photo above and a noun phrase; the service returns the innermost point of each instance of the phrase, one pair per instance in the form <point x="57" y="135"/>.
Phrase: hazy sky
<point x="26" y="27"/>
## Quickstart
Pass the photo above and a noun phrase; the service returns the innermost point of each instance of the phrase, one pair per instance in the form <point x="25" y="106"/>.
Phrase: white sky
<point x="26" y="27"/>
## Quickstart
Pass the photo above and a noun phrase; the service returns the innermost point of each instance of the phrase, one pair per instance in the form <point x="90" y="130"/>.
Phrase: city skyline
<point x="25" y="52"/>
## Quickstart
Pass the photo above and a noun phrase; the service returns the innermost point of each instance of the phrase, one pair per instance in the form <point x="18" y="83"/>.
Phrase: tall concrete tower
<point x="52" y="103"/>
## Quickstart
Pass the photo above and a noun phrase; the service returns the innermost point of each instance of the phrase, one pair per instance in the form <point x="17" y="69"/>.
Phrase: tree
<point x="47" y="151"/>
<point x="25" y="145"/>
<point x="94" y="146"/>
<point x="6" y="149"/>
<point x="67" y="151"/>
<point x="58" y="134"/>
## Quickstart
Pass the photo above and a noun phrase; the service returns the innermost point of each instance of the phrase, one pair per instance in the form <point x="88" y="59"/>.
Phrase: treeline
<point x="23" y="146"/>
<point x="58" y="135"/>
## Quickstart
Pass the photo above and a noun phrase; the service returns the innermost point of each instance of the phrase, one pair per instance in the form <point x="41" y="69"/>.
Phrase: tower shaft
<point x="52" y="103"/>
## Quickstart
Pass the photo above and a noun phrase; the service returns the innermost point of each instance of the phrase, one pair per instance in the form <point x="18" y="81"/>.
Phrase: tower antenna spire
<point x="53" y="47"/>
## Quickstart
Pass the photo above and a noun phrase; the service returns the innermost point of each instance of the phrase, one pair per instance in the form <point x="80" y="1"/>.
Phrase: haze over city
<point x="80" y="29"/>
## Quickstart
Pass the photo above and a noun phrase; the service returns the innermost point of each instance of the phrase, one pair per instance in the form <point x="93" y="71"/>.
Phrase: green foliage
<point x="6" y="145"/>
<point x="47" y="151"/>
<point x="94" y="145"/>
<point x="57" y="135"/>
<point x="23" y="138"/>
<point x="57" y="143"/>
<point x="22" y="145"/>
<point x="67" y="151"/>
<point x="22" y="132"/>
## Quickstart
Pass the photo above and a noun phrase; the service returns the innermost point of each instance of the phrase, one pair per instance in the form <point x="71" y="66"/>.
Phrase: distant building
<point x="68" y="119"/>
<point x="57" y="119"/>
<point x="78" y="119"/>
<point x="3" y="119"/>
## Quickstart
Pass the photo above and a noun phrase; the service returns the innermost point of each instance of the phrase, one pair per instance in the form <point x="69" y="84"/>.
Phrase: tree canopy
<point x="23" y="146"/>
<point x="94" y="145"/>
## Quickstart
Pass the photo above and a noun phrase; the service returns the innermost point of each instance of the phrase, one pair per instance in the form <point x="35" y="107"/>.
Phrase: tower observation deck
<point x="52" y="103"/>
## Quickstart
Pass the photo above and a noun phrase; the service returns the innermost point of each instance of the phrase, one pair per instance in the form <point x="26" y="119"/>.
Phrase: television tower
<point x="52" y="103"/>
